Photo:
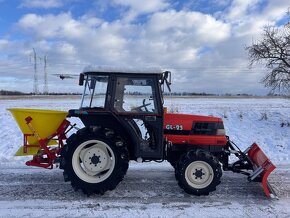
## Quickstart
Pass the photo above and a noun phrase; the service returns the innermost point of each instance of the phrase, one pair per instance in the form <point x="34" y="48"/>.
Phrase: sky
<point x="202" y="42"/>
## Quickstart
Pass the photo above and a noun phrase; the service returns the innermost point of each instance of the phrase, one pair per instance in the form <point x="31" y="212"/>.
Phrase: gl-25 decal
<point x="174" y="127"/>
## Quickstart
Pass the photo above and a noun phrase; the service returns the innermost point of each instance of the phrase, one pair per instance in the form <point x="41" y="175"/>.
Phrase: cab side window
<point x="135" y="95"/>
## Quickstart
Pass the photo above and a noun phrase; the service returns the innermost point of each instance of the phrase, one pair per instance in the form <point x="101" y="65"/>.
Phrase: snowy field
<point x="150" y="190"/>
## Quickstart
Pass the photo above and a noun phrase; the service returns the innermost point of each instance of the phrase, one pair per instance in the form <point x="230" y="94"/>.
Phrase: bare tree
<point x="273" y="50"/>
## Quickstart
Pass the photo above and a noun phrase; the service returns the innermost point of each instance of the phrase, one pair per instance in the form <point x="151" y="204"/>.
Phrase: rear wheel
<point x="198" y="172"/>
<point x="94" y="164"/>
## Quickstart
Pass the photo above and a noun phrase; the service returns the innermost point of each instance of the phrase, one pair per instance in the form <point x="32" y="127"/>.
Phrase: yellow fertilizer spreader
<point x="44" y="132"/>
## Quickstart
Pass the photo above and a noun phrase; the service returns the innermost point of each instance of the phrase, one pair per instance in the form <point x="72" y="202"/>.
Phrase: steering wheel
<point x="142" y="106"/>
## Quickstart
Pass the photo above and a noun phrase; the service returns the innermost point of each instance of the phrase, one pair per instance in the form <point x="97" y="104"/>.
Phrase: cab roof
<point x="118" y="70"/>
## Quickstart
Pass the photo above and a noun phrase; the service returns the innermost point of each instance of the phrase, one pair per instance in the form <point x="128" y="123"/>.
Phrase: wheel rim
<point x="93" y="161"/>
<point x="199" y="174"/>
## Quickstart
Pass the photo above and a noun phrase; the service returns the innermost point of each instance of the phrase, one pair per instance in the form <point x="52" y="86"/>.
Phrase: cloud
<point x="276" y="10"/>
<point x="200" y="27"/>
<point x="174" y="38"/>
<point x="71" y="42"/>
<point x="240" y="8"/>
<point x="3" y="43"/>
<point x="205" y="52"/>
<point x="41" y="4"/>
<point x="170" y="39"/>
<point x="139" y="7"/>
<point x="249" y="17"/>
<point x="58" y="26"/>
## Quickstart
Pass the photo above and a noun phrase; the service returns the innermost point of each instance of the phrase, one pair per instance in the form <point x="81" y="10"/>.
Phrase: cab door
<point x="137" y="102"/>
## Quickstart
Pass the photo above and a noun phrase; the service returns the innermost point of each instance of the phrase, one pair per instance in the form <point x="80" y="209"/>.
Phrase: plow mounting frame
<point x="254" y="164"/>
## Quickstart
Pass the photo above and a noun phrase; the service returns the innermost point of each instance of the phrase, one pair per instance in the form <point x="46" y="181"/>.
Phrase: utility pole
<point x="35" y="82"/>
<point x="45" y="87"/>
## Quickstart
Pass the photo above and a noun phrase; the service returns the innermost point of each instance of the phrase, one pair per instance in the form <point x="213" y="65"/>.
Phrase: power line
<point x="73" y="65"/>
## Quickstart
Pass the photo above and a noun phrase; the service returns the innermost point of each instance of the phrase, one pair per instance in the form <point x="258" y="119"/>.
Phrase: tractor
<point x="124" y="120"/>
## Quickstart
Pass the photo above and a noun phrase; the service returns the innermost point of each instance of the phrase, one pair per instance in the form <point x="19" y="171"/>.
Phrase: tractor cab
<point x="126" y="102"/>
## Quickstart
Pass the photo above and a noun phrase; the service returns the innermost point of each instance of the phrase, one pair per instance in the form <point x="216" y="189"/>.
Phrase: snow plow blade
<point x="262" y="167"/>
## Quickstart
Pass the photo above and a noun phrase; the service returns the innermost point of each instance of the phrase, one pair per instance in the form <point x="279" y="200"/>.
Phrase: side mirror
<point x="166" y="79"/>
<point x="81" y="79"/>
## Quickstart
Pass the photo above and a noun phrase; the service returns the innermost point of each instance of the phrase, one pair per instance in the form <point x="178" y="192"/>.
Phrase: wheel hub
<point x="95" y="159"/>
<point x="198" y="173"/>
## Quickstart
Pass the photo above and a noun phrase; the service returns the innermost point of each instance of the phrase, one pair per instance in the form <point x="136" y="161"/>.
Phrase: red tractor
<point x="124" y="120"/>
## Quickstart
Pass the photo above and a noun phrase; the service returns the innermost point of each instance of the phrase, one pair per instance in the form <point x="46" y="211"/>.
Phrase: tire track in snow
<point x="159" y="185"/>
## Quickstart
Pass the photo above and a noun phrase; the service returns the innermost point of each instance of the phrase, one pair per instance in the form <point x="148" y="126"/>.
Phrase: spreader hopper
<point x="39" y="128"/>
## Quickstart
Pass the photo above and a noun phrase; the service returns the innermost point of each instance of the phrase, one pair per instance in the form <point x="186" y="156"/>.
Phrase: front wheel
<point x="94" y="164"/>
<point x="198" y="172"/>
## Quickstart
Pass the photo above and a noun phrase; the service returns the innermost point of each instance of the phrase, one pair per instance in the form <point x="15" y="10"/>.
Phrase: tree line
<point x="10" y="93"/>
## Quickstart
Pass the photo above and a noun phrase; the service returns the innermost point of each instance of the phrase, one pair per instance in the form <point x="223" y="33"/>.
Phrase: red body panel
<point x="187" y="119"/>
<point x="183" y="122"/>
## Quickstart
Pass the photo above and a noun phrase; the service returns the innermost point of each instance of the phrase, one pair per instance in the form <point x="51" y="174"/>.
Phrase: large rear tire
<point x="173" y="158"/>
<point x="94" y="163"/>
<point x="198" y="172"/>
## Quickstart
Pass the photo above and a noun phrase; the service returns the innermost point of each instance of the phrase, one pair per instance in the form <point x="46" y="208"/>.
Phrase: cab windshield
<point x="95" y="91"/>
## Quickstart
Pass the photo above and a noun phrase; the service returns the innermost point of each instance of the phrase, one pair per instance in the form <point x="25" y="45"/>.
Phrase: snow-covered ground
<point x="150" y="189"/>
